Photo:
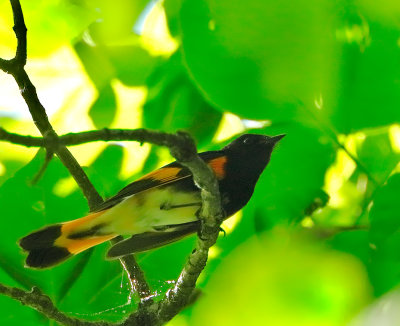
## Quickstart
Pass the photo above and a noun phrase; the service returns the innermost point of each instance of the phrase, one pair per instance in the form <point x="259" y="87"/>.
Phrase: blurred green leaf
<point x="132" y="63"/>
<point x="385" y="212"/>
<point x="268" y="277"/>
<point x="377" y="154"/>
<point x="369" y="90"/>
<point x="104" y="172"/>
<point x="29" y="208"/>
<point x="174" y="103"/>
<point x="54" y="23"/>
<point x="102" y="291"/>
<point x="10" y="167"/>
<point x="385" y="236"/>
<point x="104" y="108"/>
<point x="258" y="58"/>
<point x="355" y="242"/>
<point x="172" y="8"/>
<point x="294" y="177"/>
<point x="386" y="12"/>
<point x="96" y="64"/>
<point x="115" y="19"/>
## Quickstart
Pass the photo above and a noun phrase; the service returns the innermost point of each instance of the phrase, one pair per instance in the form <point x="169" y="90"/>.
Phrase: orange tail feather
<point x="55" y="243"/>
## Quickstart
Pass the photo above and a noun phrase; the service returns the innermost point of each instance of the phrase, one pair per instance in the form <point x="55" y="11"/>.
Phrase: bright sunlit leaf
<point x="268" y="281"/>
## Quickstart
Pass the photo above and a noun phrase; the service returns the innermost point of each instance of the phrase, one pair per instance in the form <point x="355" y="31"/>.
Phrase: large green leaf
<point x="174" y="103"/>
<point x="283" y="280"/>
<point x="368" y="94"/>
<point x="385" y="236"/>
<point x="104" y="108"/>
<point x="294" y="177"/>
<point x="115" y="20"/>
<point x="258" y="58"/>
<point x="27" y="207"/>
<point x="377" y="154"/>
<point x="52" y="23"/>
<point x="132" y="63"/>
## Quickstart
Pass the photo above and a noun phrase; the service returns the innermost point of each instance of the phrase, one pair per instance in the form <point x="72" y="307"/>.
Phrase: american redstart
<point x="159" y="208"/>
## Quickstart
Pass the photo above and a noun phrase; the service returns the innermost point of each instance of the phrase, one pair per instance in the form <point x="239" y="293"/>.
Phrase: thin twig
<point x="136" y="276"/>
<point x="39" y="174"/>
<point x="181" y="147"/>
<point x="15" y="67"/>
<point x="332" y="133"/>
<point x="42" y="303"/>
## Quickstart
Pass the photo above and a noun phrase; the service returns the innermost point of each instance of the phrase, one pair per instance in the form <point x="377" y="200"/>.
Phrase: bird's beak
<point x="277" y="138"/>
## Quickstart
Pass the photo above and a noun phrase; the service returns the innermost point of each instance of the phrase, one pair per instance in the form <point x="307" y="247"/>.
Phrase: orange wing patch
<point x="167" y="174"/>
<point x="163" y="174"/>
<point x="218" y="166"/>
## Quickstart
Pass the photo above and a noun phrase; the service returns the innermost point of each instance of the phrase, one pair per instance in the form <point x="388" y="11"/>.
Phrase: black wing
<point x="150" y="240"/>
<point x="172" y="172"/>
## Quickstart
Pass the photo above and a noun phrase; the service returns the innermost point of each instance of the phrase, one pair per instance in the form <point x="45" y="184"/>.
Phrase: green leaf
<point x="132" y="63"/>
<point x="26" y="208"/>
<point x="116" y="19"/>
<point x="54" y="23"/>
<point x="385" y="236"/>
<point x="377" y="155"/>
<point x="96" y="63"/>
<point x="385" y="212"/>
<point x="102" y="290"/>
<point x="172" y="8"/>
<point x="173" y="103"/>
<point x="369" y="92"/>
<point x="104" y="171"/>
<point x="258" y="58"/>
<point x="268" y="277"/>
<point x="294" y="177"/>
<point x="10" y="167"/>
<point x="104" y="108"/>
<point x="355" y="242"/>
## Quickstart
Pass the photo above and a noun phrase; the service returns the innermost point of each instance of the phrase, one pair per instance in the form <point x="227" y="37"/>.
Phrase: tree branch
<point x="42" y="303"/>
<point x="17" y="139"/>
<point x="16" y="68"/>
<point x="181" y="146"/>
<point x="136" y="277"/>
<point x="79" y="138"/>
<point x="184" y="150"/>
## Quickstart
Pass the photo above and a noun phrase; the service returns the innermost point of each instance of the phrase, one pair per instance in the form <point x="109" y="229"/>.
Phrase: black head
<point x="251" y="153"/>
<point x="247" y="157"/>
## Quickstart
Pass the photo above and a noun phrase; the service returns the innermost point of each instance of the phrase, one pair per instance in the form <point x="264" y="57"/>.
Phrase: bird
<point x="159" y="208"/>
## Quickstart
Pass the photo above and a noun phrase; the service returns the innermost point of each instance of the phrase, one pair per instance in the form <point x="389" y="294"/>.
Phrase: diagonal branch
<point x="184" y="150"/>
<point x="181" y="146"/>
<point x="16" y="68"/>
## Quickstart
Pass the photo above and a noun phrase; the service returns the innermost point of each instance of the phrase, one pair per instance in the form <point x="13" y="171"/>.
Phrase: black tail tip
<point x="46" y="257"/>
<point x="43" y="238"/>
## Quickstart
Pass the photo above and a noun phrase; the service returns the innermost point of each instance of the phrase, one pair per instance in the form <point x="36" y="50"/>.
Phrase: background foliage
<point x="318" y="243"/>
